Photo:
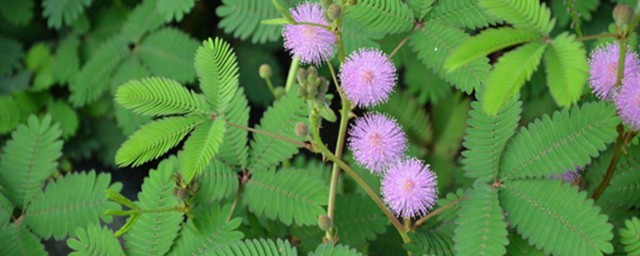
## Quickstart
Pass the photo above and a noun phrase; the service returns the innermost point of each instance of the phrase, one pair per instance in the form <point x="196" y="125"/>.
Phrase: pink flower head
<point x="603" y="72"/>
<point x="376" y="141"/>
<point x="368" y="77"/>
<point x="409" y="188"/>
<point x="568" y="176"/>
<point x="628" y="103"/>
<point x="310" y="43"/>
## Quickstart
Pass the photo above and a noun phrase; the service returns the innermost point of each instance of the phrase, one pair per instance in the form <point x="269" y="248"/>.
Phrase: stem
<point x="335" y="171"/>
<point x="436" y="212"/>
<point x="243" y="179"/>
<point x="273" y="135"/>
<point x="596" y="36"/>
<point x="621" y="60"/>
<point x="395" y="50"/>
<point x="313" y="25"/>
<point x="173" y="209"/>
<point x="373" y="195"/>
<point x="574" y="17"/>
<point x="621" y="141"/>
<point x="270" y="86"/>
<point x="291" y="77"/>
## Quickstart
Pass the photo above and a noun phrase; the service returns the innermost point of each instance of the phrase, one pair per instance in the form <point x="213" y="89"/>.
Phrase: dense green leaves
<point x="461" y="13"/>
<point x="9" y="113"/>
<point x="200" y="148"/>
<point x="554" y="145"/>
<point x="144" y="18"/>
<point x="16" y="239"/>
<point x="169" y="52"/>
<point x="29" y="158"/>
<point x="509" y="75"/>
<point x="623" y="189"/>
<point x="217" y="182"/>
<point x="73" y="201"/>
<point x="174" y="9"/>
<point x="12" y="55"/>
<point x="234" y="149"/>
<point x="334" y="250"/>
<point x="63" y="12"/>
<point x="243" y="17"/>
<point x="527" y="14"/>
<point x="67" y="60"/>
<point x="630" y="236"/>
<point x="567" y="69"/>
<point x="210" y="229"/>
<point x="156" y="96"/>
<point x="287" y="195"/>
<point x="66" y="116"/>
<point x="155" y="138"/>
<point x="435" y="241"/>
<point x="94" y="241"/>
<point x="17" y="12"/>
<point x="217" y="70"/>
<point x="556" y="217"/>
<point x="390" y="16"/>
<point x="257" y="247"/>
<point x="358" y="220"/>
<point x="410" y="114"/>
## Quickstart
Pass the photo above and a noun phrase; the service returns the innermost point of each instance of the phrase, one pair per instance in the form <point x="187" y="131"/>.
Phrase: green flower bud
<point x="301" y="75"/>
<point x="325" y="3"/>
<point x="324" y="85"/>
<point x="265" y="71"/>
<point x="622" y="14"/>
<point x="324" y="222"/>
<point x="278" y="92"/>
<point x="302" y="130"/>
<point x="302" y="91"/>
<point x="312" y="72"/>
<point x="334" y="12"/>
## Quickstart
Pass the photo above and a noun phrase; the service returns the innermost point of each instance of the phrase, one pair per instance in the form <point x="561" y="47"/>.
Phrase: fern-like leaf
<point x="435" y="241"/>
<point x="156" y="96"/>
<point x="17" y="12"/>
<point x="420" y="8"/>
<point x="154" y="232"/>
<point x="624" y="187"/>
<point x="29" y="158"/>
<point x="281" y="119"/>
<point x="630" y="236"/>
<point x="334" y="250"/>
<point x="256" y="247"/>
<point x="567" y="69"/>
<point x="217" y="181"/>
<point x="358" y="220"/>
<point x="242" y="19"/>
<point x="9" y="114"/>
<point x="207" y="231"/>
<point x="234" y="149"/>
<point x="73" y="201"/>
<point x="554" y="145"/>
<point x="488" y="41"/>
<point x="66" y="116"/>
<point x="435" y="42"/>
<point x="144" y="18"/>
<point x="130" y="69"/>
<point x="288" y="195"/>
<point x="389" y="16"/>
<point x="527" y="14"/>
<point x="169" y="52"/>
<point x="155" y="138"/>
<point x="13" y="54"/>
<point x="356" y="36"/>
<point x="63" y="12"/>
<point x="509" y="75"/>
<point x="462" y="14"/>
<point x="410" y="114"/>
<point x="486" y="137"/>
<point x="481" y="229"/>
<point x="217" y="70"/>
<point x="556" y="217"/>
<point x="16" y="239"/>
<point x="174" y="9"/>
<point x="66" y="59"/>
<point x="93" y="78"/>
<point x="200" y="148"/>
<point x="94" y="240"/>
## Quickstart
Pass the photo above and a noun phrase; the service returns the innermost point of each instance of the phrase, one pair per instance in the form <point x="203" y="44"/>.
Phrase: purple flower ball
<point x="603" y="71"/>
<point x="568" y="176"/>
<point x="368" y="77"/>
<point x="310" y="43"/>
<point x="410" y="188"/>
<point x="376" y="141"/>
<point x="628" y="103"/>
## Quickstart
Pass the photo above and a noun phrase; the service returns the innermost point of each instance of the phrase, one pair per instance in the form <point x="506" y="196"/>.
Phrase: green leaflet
<point x="480" y="227"/>
<point x="157" y="96"/>
<point x="12" y="54"/>
<point x="207" y="231"/>
<point x="256" y="247"/>
<point x="488" y="41"/>
<point x="67" y="60"/>
<point x="234" y="149"/>
<point x="154" y="232"/>
<point x="169" y="52"/>
<point x="30" y="158"/>
<point x="201" y="147"/>
<point x="389" y="16"/>
<point x="357" y="36"/>
<point x="130" y="69"/>
<point x="94" y="240"/>
<point x="6" y="210"/>
<point x="554" y="145"/>
<point x="510" y="74"/>
<point x="486" y="137"/>
<point x="73" y="201"/>
<point x="17" y="12"/>
<point x="572" y="224"/>
<point x="435" y="241"/>
<point x="330" y="250"/>
<point x="18" y="240"/>
<point x="287" y="195"/>
<point x="528" y="14"/>
<point x="420" y="8"/>
<point x="567" y="69"/>
<point x="63" y="12"/>
<point x="217" y="70"/>
<point x="174" y="9"/>
<point x="144" y="18"/>
<point x="358" y="220"/>
<point x="155" y="139"/>
<point x="623" y="189"/>
<point x="630" y="236"/>
<point x="242" y="19"/>
<point x="9" y="113"/>
<point x="280" y="119"/>
<point x="410" y="114"/>
<point x="435" y="42"/>
<point x="66" y="116"/>
<point x="423" y="83"/>
<point x="461" y="13"/>
<point x="217" y="181"/>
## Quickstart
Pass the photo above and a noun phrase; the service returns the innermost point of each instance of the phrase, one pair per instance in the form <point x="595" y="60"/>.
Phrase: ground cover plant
<point x="331" y="127"/>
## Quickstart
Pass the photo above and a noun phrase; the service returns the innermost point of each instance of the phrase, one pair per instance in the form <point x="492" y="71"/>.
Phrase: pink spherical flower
<point x="410" y="188"/>
<point x="603" y="71"/>
<point x="368" y="77"/>
<point x="376" y="141"/>
<point x="310" y="43"/>
<point x="628" y="103"/>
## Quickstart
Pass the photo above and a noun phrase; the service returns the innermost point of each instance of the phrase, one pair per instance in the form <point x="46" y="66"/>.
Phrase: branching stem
<point x="273" y="135"/>
<point x="436" y="212"/>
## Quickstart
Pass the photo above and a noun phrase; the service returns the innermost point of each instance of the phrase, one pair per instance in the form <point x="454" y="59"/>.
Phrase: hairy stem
<point x="575" y="19"/>
<point x="243" y="179"/>
<point x="270" y="86"/>
<point x="291" y="77"/>
<point x="596" y="36"/>
<point x="398" y="47"/>
<point x="436" y="212"/>
<point x="621" y="142"/>
<point x="273" y="135"/>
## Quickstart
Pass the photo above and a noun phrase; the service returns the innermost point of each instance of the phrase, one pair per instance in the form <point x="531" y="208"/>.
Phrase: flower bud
<point x="326" y="3"/>
<point x="324" y="222"/>
<point x="622" y="14"/>
<point x="302" y="91"/>
<point x="312" y="73"/>
<point x="301" y="75"/>
<point x="278" y="92"/>
<point x="324" y="85"/>
<point x="334" y="12"/>
<point x="302" y="130"/>
<point x="265" y="71"/>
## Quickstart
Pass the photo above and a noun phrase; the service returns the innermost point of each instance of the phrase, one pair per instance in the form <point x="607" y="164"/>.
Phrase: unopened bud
<point x="265" y="71"/>
<point x="325" y="3"/>
<point x="302" y="130"/>
<point x="324" y="85"/>
<point x="301" y="75"/>
<point x="278" y="92"/>
<point x="334" y="12"/>
<point x="324" y="222"/>
<point x="622" y="14"/>
<point x="302" y="92"/>
<point x="312" y="72"/>
<point x="312" y="89"/>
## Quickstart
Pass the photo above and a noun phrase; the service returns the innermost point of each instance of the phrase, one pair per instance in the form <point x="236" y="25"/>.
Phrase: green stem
<point x="173" y="209"/>
<point x="621" y="60"/>
<point x="291" y="77"/>
<point x="335" y="172"/>
<point x="596" y="36"/>
<point x="621" y="142"/>
<point x="436" y="212"/>
<point x="575" y="20"/>
<point x="270" y="86"/>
